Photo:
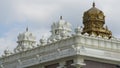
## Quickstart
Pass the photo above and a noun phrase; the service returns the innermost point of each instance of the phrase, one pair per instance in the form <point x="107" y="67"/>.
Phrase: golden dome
<point x="94" y="10"/>
<point x="94" y="13"/>
<point x="93" y="21"/>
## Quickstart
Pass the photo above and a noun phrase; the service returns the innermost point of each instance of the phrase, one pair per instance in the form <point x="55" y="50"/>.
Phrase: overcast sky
<point x="38" y="15"/>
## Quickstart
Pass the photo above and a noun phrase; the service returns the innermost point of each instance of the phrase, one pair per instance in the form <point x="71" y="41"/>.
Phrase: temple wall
<point x="94" y="64"/>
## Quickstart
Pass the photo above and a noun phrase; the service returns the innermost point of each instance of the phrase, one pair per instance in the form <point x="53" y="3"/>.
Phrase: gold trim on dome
<point x="93" y="21"/>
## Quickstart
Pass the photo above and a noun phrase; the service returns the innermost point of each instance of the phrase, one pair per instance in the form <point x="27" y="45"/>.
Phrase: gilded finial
<point x="106" y="27"/>
<point x="60" y="17"/>
<point x="93" y="4"/>
<point x="26" y="29"/>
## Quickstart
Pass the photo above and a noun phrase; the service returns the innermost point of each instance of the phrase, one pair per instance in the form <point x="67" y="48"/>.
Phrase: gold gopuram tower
<point x="94" y="21"/>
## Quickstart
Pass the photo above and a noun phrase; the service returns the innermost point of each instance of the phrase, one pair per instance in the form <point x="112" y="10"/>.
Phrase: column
<point x="41" y="67"/>
<point x="80" y="65"/>
<point x="1" y="66"/>
<point x="78" y="62"/>
<point x="19" y="64"/>
<point x="61" y="64"/>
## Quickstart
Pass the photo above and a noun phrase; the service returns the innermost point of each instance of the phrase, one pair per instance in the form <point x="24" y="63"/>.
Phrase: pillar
<point x="61" y="64"/>
<point x="78" y="62"/>
<point x="41" y="67"/>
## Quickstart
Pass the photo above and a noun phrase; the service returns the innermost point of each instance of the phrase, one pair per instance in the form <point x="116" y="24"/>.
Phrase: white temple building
<point x="90" y="46"/>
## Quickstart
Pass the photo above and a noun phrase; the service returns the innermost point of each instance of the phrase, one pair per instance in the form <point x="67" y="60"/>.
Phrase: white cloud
<point x="9" y="40"/>
<point x="6" y="43"/>
<point x="36" y="12"/>
<point x="22" y="10"/>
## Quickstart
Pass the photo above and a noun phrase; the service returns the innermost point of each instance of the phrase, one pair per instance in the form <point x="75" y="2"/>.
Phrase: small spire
<point x="106" y="27"/>
<point x="93" y="4"/>
<point x="60" y="17"/>
<point x="26" y="29"/>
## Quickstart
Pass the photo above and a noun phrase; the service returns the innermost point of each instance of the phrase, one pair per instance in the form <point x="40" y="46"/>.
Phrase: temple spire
<point x="60" y="17"/>
<point x="26" y="29"/>
<point x="93" y="4"/>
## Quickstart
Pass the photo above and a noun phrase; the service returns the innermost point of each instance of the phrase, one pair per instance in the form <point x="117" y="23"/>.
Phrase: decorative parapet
<point x="48" y="48"/>
<point x="76" y="45"/>
<point x="106" y="44"/>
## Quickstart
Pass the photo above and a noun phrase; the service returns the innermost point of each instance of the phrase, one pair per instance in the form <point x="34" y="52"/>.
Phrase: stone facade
<point x="93" y="64"/>
<point x="63" y="50"/>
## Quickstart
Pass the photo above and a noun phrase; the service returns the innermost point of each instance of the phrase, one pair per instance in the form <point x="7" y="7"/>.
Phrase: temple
<point x="90" y="46"/>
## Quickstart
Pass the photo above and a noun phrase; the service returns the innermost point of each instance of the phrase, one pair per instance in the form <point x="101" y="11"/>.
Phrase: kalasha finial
<point x="60" y="17"/>
<point x="27" y="29"/>
<point x="93" y="4"/>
